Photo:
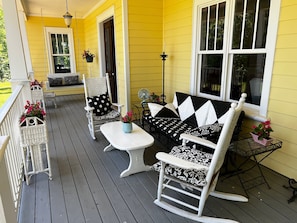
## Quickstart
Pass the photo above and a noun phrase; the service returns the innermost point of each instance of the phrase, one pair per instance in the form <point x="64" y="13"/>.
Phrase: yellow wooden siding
<point x="37" y="44"/>
<point x="145" y="46"/>
<point x="178" y="45"/>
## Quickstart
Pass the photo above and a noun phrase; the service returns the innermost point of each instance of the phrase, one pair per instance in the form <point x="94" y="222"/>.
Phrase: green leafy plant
<point x="87" y="53"/>
<point x="263" y="130"/>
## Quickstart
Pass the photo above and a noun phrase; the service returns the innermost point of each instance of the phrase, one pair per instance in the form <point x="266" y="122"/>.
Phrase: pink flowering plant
<point x="35" y="82"/>
<point x="128" y="118"/>
<point x="32" y="110"/>
<point x="263" y="130"/>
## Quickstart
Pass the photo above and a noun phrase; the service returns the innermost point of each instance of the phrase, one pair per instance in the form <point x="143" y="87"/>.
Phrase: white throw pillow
<point x="161" y="111"/>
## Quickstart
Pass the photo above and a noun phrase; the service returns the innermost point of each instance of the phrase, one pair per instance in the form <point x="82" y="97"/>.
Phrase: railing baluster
<point x="9" y="125"/>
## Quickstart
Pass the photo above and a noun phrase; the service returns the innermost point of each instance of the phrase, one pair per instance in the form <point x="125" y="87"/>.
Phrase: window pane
<point x="60" y="48"/>
<point x="212" y="27"/>
<point x="65" y="44"/>
<point x="220" y="28"/>
<point x="262" y="23"/>
<point x="211" y="73"/>
<point x="237" y="26"/>
<point x="247" y="76"/>
<point x="249" y="24"/>
<point x="54" y="43"/>
<point x="62" y="64"/>
<point x="203" y="29"/>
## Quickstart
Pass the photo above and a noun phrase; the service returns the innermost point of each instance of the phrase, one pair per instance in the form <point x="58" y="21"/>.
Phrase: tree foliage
<point x="4" y="62"/>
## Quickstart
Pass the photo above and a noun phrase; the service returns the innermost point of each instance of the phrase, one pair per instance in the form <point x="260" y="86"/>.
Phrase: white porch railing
<point x="9" y="126"/>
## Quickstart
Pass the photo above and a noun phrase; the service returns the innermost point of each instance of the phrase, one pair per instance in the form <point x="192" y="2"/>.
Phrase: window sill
<point x="254" y="114"/>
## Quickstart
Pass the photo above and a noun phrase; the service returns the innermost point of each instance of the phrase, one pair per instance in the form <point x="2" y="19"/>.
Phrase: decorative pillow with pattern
<point x="196" y="177"/>
<point x="198" y="111"/>
<point x="53" y="82"/>
<point x="101" y="104"/>
<point x="71" y="80"/>
<point x="162" y="111"/>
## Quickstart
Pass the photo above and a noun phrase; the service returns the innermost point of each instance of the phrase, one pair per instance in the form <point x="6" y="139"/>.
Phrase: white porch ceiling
<point x="57" y="8"/>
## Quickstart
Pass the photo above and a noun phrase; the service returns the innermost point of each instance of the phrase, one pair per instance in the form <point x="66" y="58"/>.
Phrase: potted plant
<point x="35" y="82"/>
<point x="34" y="114"/>
<point x="88" y="56"/>
<point x="154" y="98"/>
<point x="261" y="133"/>
<point x="127" y="122"/>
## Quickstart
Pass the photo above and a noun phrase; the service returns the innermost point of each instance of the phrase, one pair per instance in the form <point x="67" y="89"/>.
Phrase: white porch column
<point x="15" y="46"/>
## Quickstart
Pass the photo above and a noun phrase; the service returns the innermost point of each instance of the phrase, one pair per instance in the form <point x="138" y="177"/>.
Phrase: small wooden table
<point x="133" y="143"/>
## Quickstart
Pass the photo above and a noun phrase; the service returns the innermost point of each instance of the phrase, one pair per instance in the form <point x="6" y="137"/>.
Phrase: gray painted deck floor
<point x="86" y="186"/>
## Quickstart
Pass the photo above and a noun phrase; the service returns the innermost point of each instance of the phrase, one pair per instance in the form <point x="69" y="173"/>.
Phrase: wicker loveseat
<point x="189" y="114"/>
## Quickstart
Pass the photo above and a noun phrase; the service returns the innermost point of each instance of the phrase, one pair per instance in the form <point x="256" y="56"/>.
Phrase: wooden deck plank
<point x="72" y="203"/>
<point x="86" y="186"/>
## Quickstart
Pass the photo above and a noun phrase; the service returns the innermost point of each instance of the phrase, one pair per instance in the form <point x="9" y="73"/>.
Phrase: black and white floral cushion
<point x="113" y="114"/>
<point x="195" y="177"/>
<point x="101" y="104"/>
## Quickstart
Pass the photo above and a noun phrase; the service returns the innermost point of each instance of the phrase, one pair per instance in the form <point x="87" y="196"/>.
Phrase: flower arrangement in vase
<point x="127" y="122"/>
<point x="88" y="56"/>
<point x="261" y="133"/>
<point x="32" y="110"/>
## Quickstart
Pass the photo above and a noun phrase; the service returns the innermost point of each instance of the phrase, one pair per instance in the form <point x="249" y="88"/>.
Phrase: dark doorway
<point x="110" y="60"/>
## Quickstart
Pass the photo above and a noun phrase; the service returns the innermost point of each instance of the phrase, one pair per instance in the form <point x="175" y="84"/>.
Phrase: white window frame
<point x="253" y="111"/>
<point x="56" y="30"/>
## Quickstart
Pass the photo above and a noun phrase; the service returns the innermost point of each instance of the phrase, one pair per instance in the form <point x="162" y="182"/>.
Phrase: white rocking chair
<point x="196" y="172"/>
<point x="99" y="106"/>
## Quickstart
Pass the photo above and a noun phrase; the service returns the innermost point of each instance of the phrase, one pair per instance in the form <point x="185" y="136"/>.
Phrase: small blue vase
<point x="127" y="127"/>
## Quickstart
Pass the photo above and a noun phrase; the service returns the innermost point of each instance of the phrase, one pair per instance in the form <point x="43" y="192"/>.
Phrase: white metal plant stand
<point x="34" y="145"/>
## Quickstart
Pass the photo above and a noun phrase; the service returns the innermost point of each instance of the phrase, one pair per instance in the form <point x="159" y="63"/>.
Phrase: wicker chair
<point x="99" y="106"/>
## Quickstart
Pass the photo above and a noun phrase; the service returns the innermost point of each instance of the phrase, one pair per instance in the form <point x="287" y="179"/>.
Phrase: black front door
<point x="110" y="61"/>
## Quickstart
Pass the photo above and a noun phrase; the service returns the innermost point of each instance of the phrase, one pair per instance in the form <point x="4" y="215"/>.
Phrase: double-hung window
<point x="60" y="49"/>
<point x="234" y="50"/>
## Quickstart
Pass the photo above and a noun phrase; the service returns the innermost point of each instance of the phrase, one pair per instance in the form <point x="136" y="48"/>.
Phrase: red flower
<point x="128" y="117"/>
<point x="263" y="130"/>
<point x="32" y="110"/>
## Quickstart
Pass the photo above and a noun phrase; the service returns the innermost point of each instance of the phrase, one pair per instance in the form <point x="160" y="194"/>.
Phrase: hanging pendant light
<point x="67" y="16"/>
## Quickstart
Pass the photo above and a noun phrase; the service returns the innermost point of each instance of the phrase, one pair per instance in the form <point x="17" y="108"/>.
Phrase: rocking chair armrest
<point x="89" y="109"/>
<point x="117" y="106"/>
<point x="178" y="162"/>
<point x="198" y="140"/>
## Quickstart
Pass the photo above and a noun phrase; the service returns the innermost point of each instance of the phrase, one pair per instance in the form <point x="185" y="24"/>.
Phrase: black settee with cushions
<point x="189" y="114"/>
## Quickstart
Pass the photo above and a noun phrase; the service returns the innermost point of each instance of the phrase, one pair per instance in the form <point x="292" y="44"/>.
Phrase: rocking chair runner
<point x="196" y="171"/>
<point x="99" y="106"/>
